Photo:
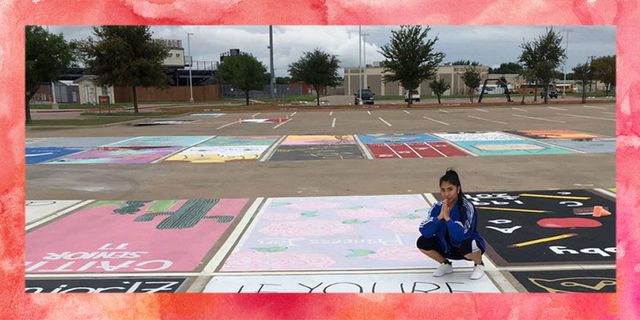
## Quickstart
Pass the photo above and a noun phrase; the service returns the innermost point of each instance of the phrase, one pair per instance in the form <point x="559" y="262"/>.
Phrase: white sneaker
<point x="478" y="272"/>
<point x="443" y="268"/>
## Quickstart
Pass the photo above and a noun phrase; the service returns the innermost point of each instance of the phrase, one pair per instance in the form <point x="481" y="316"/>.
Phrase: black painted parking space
<point x="317" y="152"/>
<point x="568" y="281"/>
<point x="541" y="227"/>
<point x="113" y="285"/>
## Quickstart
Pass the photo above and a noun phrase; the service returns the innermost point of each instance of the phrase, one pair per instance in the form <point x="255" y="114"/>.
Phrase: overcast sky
<point x="489" y="45"/>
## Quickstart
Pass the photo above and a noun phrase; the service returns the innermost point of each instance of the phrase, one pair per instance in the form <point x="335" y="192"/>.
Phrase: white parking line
<point x="267" y="154"/>
<point x="330" y="113"/>
<point x="445" y="111"/>
<point x="362" y="147"/>
<point x="436" y="150"/>
<point x="481" y="110"/>
<point x="369" y="112"/>
<point x="585" y="117"/>
<point x="293" y="114"/>
<point x="434" y="120"/>
<point x="394" y="152"/>
<point x="333" y="123"/>
<point x="407" y="112"/>
<point x="228" y="124"/>
<point x="556" y="108"/>
<point x="387" y="123"/>
<point x="282" y="123"/>
<point x="57" y="214"/>
<point x="495" y="121"/>
<point x="594" y="107"/>
<point x="255" y="114"/>
<point x="414" y="151"/>
<point x="523" y="110"/>
<point x="233" y="238"/>
<point x="536" y="118"/>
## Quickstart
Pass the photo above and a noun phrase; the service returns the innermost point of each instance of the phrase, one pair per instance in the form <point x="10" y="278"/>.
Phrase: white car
<point x="415" y="96"/>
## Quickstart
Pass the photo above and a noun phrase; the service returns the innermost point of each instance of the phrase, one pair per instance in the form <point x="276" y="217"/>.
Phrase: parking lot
<point x="368" y="175"/>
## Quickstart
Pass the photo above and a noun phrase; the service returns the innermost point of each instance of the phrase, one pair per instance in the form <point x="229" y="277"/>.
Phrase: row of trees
<point x="128" y="56"/>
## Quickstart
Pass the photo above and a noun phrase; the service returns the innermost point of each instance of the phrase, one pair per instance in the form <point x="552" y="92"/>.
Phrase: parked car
<point x="415" y="96"/>
<point x="553" y="93"/>
<point x="367" y="96"/>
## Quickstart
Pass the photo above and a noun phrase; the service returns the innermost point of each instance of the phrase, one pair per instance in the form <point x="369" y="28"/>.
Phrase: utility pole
<point x="360" y="64"/>
<point x="364" y="58"/>
<point x="564" y="65"/>
<point x="591" y="73"/>
<point x="189" y="34"/>
<point x="272" y="82"/>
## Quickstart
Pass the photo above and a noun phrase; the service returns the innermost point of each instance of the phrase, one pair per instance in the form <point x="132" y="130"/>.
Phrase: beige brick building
<point x="372" y="78"/>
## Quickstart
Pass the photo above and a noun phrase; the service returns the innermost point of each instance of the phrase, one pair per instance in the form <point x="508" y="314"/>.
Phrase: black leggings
<point x="456" y="253"/>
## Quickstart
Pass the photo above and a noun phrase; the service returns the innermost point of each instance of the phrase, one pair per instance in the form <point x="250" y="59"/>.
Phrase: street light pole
<point x="364" y="58"/>
<point x="564" y="66"/>
<point x="360" y="64"/>
<point x="189" y="34"/>
<point x="272" y="81"/>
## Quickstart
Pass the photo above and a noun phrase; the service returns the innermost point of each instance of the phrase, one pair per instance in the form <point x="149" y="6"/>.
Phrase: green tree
<point x="542" y="56"/>
<point x="47" y="56"/>
<point x="604" y="69"/>
<point x="583" y="74"/>
<point x="471" y="78"/>
<point x="317" y="68"/>
<point x="507" y="68"/>
<point x="410" y="57"/>
<point x="125" y="56"/>
<point x="464" y="63"/>
<point x="244" y="72"/>
<point x="439" y="86"/>
<point x="283" y="80"/>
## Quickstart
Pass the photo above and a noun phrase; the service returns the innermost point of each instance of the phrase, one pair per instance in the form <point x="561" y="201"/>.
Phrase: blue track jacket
<point x="458" y="232"/>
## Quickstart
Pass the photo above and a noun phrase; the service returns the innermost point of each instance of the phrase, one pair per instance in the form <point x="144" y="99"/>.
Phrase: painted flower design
<point x="306" y="228"/>
<point x="363" y="213"/>
<point x="397" y="253"/>
<point x="254" y="260"/>
<point x="401" y="226"/>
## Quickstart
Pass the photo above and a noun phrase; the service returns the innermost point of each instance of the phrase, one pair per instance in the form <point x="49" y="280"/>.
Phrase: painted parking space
<point x="333" y="233"/>
<point x="542" y="227"/>
<point x="568" y="281"/>
<point x="106" y="285"/>
<point x="219" y="154"/>
<point x="317" y="152"/>
<point x="294" y="140"/>
<point x="209" y="115"/>
<point x="38" y="209"/>
<point x="596" y="145"/>
<point x="422" y="282"/>
<point x="162" y="141"/>
<point x="397" y="138"/>
<point x="77" y="142"/>
<point x="477" y="136"/>
<point x="118" y="155"/>
<point x="556" y="134"/>
<point x="160" y="123"/>
<point x="131" y="236"/>
<point x="510" y="148"/>
<point x="264" y="120"/>
<point x="44" y="154"/>
<point x="239" y="141"/>
<point x="415" y="150"/>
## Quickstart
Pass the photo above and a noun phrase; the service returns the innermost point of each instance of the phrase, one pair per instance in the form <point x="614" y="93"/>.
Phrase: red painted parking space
<point x="415" y="150"/>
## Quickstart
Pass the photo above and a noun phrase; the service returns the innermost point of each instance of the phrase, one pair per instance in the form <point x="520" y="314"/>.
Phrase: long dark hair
<point x="451" y="176"/>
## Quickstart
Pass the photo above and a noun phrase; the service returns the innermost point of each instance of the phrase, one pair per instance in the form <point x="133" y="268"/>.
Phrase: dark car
<point x="553" y="93"/>
<point x="366" y="94"/>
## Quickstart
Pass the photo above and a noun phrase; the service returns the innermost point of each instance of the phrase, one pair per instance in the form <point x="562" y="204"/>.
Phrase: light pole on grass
<point x="189" y="34"/>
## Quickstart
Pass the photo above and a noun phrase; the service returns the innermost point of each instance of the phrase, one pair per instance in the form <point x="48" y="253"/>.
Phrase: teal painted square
<point x="605" y="145"/>
<point x="509" y="148"/>
<point x="240" y="141"/>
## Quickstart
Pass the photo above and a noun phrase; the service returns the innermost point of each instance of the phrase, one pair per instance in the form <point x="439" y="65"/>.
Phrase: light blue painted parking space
<point x="604" y="145"/>
<point x="162" y="141"/>
<point x="76" y="142"/>
<point x="397" y="138"/>
<point x="509" y="148"/>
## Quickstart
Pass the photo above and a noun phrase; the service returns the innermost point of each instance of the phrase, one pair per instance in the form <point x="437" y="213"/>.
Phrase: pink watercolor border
<point x="15" y="14"/>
